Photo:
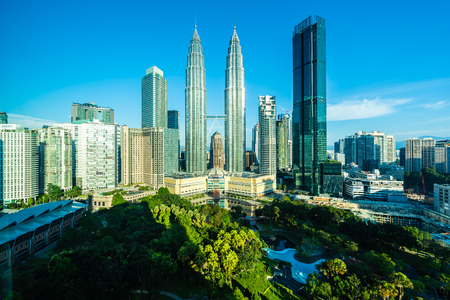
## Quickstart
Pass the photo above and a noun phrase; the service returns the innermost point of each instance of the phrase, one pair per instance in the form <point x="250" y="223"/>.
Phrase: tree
<point x="307" y="247"/>
<point x="30" y="202"/>
<point x="386" y="290"/>
<point x="118" y="199"/>
<point x="54" y="191"/>
<point x="333" y="267"/>
<point x="401" y="281"/>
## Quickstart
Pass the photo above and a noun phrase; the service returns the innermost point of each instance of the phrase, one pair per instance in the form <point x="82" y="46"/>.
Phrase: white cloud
<point x="362" y="109"/>
<point x="435" y="105"/>
<point x="27" y="121"/>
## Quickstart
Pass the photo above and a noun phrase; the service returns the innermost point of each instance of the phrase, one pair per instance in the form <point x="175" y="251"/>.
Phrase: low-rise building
<point x="100" y="200"/>
<point x="372" y="189"/>
<point x="242" y="184"/>
<point x="28" y="231"/>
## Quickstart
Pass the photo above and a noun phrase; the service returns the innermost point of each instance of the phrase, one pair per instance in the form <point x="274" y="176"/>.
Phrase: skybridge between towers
<point x="215" y="119"/>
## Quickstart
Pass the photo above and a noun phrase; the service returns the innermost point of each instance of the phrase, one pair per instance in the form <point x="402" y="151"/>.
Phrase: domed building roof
<point x="216" y="172"/>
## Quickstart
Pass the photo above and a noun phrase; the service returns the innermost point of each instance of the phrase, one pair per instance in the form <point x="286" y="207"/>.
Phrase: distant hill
<point x="401" y="144"/>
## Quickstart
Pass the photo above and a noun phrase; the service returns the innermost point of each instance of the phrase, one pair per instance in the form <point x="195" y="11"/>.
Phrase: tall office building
<point x="90" y="111"/>
<point x="309" y="114"/>
<point x="267" y="135"/>
<point x="3" y="118"/>
<point x="95" y="154"/>
<point x="171" y="152"/>
<point x="154" y="99"/>
<point x="19" y="164"/>
<point x="173" y="121"/>
<point x="195" y="138"/>
<point x="281" y="145"/>
<point x="217" y="153"/>
<point x="339" y="146"/>
<point x="55" y="158"/>
<point x="255" y="142"/>
<point x="286" y="122"/>
<point x="234" y="108"/>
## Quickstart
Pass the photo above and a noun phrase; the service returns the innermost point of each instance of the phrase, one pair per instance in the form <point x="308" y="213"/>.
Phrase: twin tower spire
<point x="195" y="93"/>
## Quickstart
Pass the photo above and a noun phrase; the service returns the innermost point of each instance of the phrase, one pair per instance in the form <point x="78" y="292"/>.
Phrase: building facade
<point x="153" y="153"/>
<point x="281" y="145"/>
<point x="132" y="156"/>
<point x="90" y="111"/>
<point x="55" y="158"/>
<point x="235" y="130"/>
<point x="154" y="98"/>
<point x="19" y="164"/>
<point x="442" y="198"/>
<point x="195" y="137"/>
<point x="217" y="153"/>
<point x="95" y="154"/>
<point x="171" y="156"/>
<point x="419" y="154"/>
<point x="384" y="147"/>
<point x="309" y="101"/>
<point x="267" y="135"/>
<point x="3" y="118"/>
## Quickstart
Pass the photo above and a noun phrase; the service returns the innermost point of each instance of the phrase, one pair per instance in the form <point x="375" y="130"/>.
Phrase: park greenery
<point x="161" y="243"/>
<point x="366" y="260"/>
<point x="413" y="180"/>
<point x="165" y="243"/>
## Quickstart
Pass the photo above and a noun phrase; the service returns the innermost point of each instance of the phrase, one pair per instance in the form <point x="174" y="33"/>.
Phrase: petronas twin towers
<point x="196" y="107"/>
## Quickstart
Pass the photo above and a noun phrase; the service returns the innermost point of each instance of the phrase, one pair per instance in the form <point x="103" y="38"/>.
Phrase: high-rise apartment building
<point x="55" y="158"/>
<point x="132" y="156"/>
<point x="19" y="164"/>
<point x="195" y="137"/>
<point x="281" y="145"/>
<point x="3" y="118"/>
<point x="428" y="153"/>
<point x="309" y="114"/>
<point x="255" y="142"/>
<point x="154" y="98"/>
<point x="360" y="149"/>
<point x="234" y="108"/>
<point x="384" y="147"/>
<point x="217" y="159"/>
<point x="90" y="111"/>
<point x="153" y="153"/>
<point x="442" y="156"/>
<point x="267" y="135"/>
<point x="95" y="154"/>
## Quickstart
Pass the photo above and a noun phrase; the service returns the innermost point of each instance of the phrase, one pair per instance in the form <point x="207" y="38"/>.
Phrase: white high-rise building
<point x="154" y="98"/>
<point x="19" y="164"/>
<point x="267" y="135"/>
<point x="95" y="154"/>
<point x="234" y="108"/>
<point x="55" y="163"/>
<point x="195" y="138"/>
<point x="442" y="198"/>
<point x="384" y="147"/>
<point x="419" y="154"/>
<point x="428" y="153"/>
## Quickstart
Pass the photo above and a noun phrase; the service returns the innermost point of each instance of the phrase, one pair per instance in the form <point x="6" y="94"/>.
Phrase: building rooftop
<point x="15" y="224"/>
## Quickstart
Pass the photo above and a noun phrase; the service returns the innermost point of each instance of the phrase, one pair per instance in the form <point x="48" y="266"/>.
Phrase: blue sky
<point x="388" y="62"/>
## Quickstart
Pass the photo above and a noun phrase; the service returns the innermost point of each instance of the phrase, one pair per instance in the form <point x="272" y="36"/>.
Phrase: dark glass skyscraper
<point x="309" y="115"/>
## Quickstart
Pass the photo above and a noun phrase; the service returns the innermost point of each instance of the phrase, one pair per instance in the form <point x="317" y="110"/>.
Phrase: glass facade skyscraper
<point x="195" y="107"/>
<point x="3" y="118"/>
<point x="234" y="108"/>
<point x="309" y="114"/>
<point x="154" y="99"/>
<point x="90" y="111"/>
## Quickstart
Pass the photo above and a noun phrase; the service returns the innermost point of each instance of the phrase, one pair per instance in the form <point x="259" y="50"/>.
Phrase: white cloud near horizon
<point x="29" y="122"/>
<point x="435" y="105"/>
<point x="362" y="109"/>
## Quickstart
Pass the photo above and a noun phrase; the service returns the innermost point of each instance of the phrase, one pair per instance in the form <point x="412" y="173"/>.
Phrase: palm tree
<point x="401" y="281"/>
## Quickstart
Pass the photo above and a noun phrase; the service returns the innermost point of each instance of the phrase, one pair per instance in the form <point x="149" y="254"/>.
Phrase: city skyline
<point x="404" y="102"/>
